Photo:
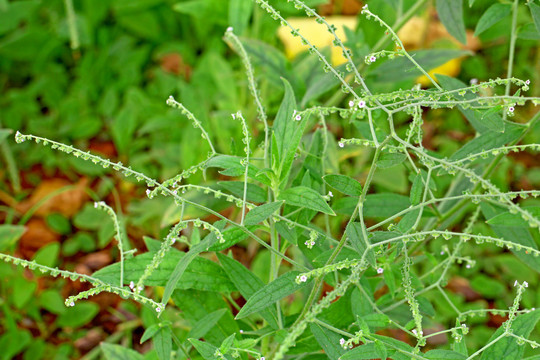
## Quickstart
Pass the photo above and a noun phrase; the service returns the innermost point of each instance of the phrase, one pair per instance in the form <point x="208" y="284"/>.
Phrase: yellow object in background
<point x="317" y="34"/>
<point x="450" y="68"/>
<point x="415" y="33"/>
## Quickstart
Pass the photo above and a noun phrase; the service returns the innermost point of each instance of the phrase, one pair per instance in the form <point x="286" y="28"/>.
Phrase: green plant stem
<point x="318" y="282"/>
<point x="13" y="172"/>
<point x="511" y="51"/>
<point x="72" y="25"/>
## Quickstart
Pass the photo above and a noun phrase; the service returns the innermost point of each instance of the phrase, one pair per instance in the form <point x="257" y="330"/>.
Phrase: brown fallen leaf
<point x="37" y="235"/>
<point x="67" y="202"/>
<point x="461" y="286"/>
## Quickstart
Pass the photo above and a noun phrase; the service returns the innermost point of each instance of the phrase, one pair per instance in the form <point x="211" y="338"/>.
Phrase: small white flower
<point x="442" y="252"/>
<point x="330" y="194"/>
<point x="141" y="288"/>
<point x="233" y="116"/>
<point x="341" y="144"/>
<point x="361" y="104"/>
<point x="96" y="205"/>
<point x="351" y="103"/>
<point x="464" y="326"/>
<point x="72" y="304"/>
<point x="342" y="341"/>
<point x="241" y="331"/>
<point x="380" y="270"/>
<point x="468" y="266"/>
<point x="527" y="82"/>
<point x="173" y="240"/>
<point x="526" y="284"/>
<point x="303" y="278"/>
<point x="132" y="285"/>
<point x="365" y="7"/>
<point x="262" y="358"/>
<point x="147" y="192"/>
<point x="230" y="28"/>
<point x="414" y="332"/>
<point x="298" y="117"/>
<point x="158" y="309"/>
<point x="511" y="109"/>
<point x="515" y="283"/>
<point x="474" y="81"/>
<point x="372" y="58"/>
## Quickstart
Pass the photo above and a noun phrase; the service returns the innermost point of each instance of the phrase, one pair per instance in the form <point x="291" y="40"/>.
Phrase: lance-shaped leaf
<point x="344" y="184"/>
<point x="303" y="196"/>
<point x="451" y="14"/>
<point x="261" y="213"/>
<point x="508" y="348"/>
<point x="271" y="293"/>
<point x="247" y="284"/>
<point x="328" y="340"/>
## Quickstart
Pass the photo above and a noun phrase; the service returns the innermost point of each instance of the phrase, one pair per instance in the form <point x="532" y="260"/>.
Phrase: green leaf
<point x="517" y="235"/>
<point x="487" y="141"/>
<point x="344" y="184"/>
<point x="272" y="60"/>
<point x="182" y="266"/>
<point x="78" y="315"/>
<point x="284" y="124"/>
<point x="206" y="349"/>
<point x="231" y="236"/>
<point x="271" y="293"/>
<point x="9" y="235"/>
<point x="233" y="167"/>
<point x="514" y="220"/>
<point x="385" y="205"/>
<point x="254" y="192"/>
<point x="482" y="121"/>
<point x="13" y="342"/>
<point x="376" y="321"/>
<point x="52" y="301"/>
<point x="162" y="341"/>
<point x="493" y="15"/>
<point x="417" y="190"/>
<point x="444" y="355"/>
<point x="287" y="133"/>
<point x="227" y="343"/>
<point x="328" y="340"/>
<point x="365" y="352"/>
<point x="48" y="255"/>
<point x="305" y="197"/>
<point x="261" y="213"/>
<point x="117" y="352"/>
<point x="507" y="348"/>
<point x="196" y="305"/>
<point x="357" y="240"/>
<point x="204" y="325"/>
<point x="23" y="291"/>
<point x="487" y="287"/>
<point x="247" y="284"/>
<point x="150" y="332"/>
<point x="287" y="233"/>
<point x="239" y="14"/>
<point x="402" y="69"/>
<point x="388" y="160"/>
<point x="201" y="274"/>
<point x="535" y="13"/>
<point x="380" y="350"/>
<point x="451" y="15"/>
